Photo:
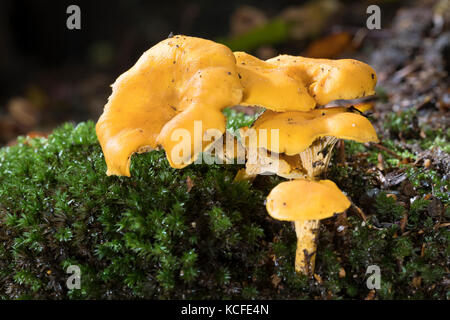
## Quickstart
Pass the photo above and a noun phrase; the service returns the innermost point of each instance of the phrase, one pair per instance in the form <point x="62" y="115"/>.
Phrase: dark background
<point x="50" y="74"/>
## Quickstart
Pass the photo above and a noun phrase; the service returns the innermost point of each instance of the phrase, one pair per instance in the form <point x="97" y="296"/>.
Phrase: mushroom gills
<point x="309" y="163"/>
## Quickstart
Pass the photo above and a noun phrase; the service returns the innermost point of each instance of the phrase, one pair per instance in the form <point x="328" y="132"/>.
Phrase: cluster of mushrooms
<point x="182" y="80"/>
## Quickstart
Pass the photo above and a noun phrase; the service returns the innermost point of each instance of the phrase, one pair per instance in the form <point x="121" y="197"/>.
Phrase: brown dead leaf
<point x="189" y="183"/>
<point x="318" y="278"/>
<point x="380" y="163"/>
<point x="422" y="134"/>
<point x="403" y="222"/>
<point x="275" y="280"/>
<point x="23" y="111"/>
<point x="417" y="281"/>
<point x="36" y="134"/>
<point x="442" y="225"/>
<point x="359" y="211"/>
<point x="405" y="161"/>
<point x="330" y="46"/>
<point x="370" y="295"/>
<point x="391" y="195"/>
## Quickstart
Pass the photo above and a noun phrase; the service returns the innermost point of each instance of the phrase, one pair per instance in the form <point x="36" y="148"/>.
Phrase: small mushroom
<point x="318" y="200"/>
<point x="177" y="82"/>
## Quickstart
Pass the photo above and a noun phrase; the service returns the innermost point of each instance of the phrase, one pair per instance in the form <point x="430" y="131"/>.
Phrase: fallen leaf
<point x="380" y="163"/>
<point x="417" y="281"/>
<point x="403" y="222"/>
<point x="370" y="295"/>
<point x="422" y="251"/>
<point x="23" y="111"/>
<point x="189" y="183"/>
<point x="329" y="46"/>
<point x="275" y="280"/>
<point x="36" y="134"/>
<point x="318" y="278"/>
<point x="391" y="195"/>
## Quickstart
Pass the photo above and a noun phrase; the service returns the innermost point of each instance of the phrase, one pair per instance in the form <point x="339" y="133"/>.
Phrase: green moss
<point x="402" y="124"/>
<point x="236" y="119"/>
<point x="155" y="235"/>
<point x="436" y="138"/>
<point x="387" y="208"/>
<point x="425" y="179"/>
<point x="405" y="125"/>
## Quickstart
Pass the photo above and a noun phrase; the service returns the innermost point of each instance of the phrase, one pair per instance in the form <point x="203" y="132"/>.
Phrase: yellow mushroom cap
<point x="175" y="83"/>
<point x="269" y="86"/>
<point x="329" y="80"/>
<point x="298" y="130"/>
<point x="306" y="200"/>
<point x="289" y="83"/>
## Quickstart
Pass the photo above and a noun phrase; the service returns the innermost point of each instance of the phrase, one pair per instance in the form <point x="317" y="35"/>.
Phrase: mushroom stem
<point x="315" y="160"/>
<point x="305" y="256"/>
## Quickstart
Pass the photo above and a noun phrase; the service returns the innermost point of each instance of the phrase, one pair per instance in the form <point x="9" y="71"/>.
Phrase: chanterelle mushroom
<point x="185" y="81"/>
<point x="305" y="140"/>
<point x="290" y="87"/>
<point x="318" y="200"/>
<point x="177" y="82"/>
<point x="289" y="83"/>
<point x="302" y="150"/>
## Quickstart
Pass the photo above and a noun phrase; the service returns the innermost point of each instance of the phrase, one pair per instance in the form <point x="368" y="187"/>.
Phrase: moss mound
<point x="191" y="233"/>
